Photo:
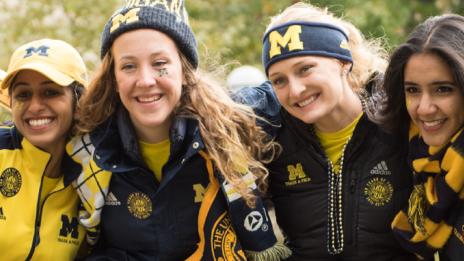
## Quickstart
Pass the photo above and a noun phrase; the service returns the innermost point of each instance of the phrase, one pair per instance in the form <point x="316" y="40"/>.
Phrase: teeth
<point x="307" y="101"/>
<point x="149" y="98"/>
<point x="432" y="123"/>
<point x="39" y="122"/>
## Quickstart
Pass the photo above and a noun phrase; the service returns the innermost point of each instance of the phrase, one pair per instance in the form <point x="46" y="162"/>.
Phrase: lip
<point x="307" y="101"/>
<point x="148" y="98"/>
<point x="39" y="123"/>
<point x="432" y="126"/>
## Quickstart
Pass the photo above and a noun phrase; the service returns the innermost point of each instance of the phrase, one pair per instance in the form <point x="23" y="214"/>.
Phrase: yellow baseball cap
<point x="55" y="59"/>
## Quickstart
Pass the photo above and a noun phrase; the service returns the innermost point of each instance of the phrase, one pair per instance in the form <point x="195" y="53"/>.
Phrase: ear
<point x="346" y="68"/>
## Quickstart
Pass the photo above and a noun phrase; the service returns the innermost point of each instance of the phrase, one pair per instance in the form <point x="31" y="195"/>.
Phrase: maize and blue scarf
<point x="228" y="229"/>
<point x="427" y="223"/>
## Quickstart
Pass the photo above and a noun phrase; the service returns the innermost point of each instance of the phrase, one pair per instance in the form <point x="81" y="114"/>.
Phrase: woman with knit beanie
<point x="340" y="178"/>
<point x="171" y="166"/>
<point x="424" y="83"/>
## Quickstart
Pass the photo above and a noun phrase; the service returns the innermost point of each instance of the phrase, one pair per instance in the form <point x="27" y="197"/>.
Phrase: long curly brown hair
<point x="233" y="140"/>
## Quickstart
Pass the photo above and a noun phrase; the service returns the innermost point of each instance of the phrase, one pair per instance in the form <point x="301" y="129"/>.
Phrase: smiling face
<point x="312" y="89"/>
<point x="433" y="100"/>
<point x="41" y="109"/>
<point x="149" y="80"/>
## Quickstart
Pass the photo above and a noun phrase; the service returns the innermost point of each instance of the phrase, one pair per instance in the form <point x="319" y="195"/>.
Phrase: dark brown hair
<point x="440" y="35"/>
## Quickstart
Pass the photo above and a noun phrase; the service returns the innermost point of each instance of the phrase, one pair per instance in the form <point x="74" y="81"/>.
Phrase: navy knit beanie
<point x="168" y="16"/>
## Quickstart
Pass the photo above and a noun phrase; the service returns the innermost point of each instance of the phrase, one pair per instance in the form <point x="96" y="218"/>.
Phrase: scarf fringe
<point x="275" y="253"/>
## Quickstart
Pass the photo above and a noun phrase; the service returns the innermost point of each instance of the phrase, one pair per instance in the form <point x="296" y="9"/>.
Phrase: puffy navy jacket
<point x="376" y="184"/>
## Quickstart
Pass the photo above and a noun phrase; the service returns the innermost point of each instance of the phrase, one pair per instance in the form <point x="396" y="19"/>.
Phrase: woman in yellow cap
<point x="38" y="207"/>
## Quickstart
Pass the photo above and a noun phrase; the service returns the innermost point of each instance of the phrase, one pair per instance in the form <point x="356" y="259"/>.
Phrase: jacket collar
<point x="306" y="132"/>
<point x="69" y="168"/>
<point x="117" y="144"/>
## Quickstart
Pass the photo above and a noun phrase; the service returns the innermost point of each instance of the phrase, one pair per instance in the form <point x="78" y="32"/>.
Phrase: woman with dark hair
<point x="38" y="205"/>
<point x="424" y="86"/>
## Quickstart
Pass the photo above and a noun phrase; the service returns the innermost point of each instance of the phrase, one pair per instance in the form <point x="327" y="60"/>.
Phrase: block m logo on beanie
<point x="167" y="16"/>
<point x="127" y="18"/>
<point x="291" y="39"/>
<point x="41" y="50"/>
<point x="174" y="6"/>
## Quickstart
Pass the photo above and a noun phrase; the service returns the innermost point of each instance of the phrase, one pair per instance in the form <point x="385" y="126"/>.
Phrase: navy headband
<point x="304" y="38"/>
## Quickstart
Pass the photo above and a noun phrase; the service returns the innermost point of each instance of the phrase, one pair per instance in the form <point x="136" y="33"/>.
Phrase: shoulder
<point x="368" y="129"/>
<point x="263" y="101"/>
<point x="261" y="98"/>
<point x="373" y="96"/>
<point x="9" y="138"/>
<point x="81" y="148"/>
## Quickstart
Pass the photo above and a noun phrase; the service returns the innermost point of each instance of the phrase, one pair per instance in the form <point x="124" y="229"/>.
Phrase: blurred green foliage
<point x="227" y="30"/>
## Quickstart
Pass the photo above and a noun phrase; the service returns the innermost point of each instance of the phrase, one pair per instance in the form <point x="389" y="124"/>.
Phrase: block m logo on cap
<point x="41" y="50"/>
<point x="130" y="17"/>
<point x="291" y="39"/>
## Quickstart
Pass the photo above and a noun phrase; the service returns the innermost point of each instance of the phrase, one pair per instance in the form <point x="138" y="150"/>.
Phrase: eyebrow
<point x="272" y="74"/>
<point x="131" y="56"/>
<point x="292" y="66"/>
<point x="27" y="84"/>
<point x="433" y="83"/>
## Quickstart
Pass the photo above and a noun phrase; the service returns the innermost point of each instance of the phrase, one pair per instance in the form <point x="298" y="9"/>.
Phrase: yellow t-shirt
<point x="333" y="142"/>
<point x="156" y="155"/>
<point x="48" y="184"/>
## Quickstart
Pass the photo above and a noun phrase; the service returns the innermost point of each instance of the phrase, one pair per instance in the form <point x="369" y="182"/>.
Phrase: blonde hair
<point x="234" y="142"/>
<point x="369" y="56"/>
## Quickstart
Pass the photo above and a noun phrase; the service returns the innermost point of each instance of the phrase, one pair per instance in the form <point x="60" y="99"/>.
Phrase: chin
<point x="435" y="141"/>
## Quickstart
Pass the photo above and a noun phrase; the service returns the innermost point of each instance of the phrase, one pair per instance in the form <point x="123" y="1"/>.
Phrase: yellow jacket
<point x="30" y="231"/>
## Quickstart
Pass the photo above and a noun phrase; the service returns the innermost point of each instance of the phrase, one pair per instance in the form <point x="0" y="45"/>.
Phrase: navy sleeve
<point x="264" y="103"/>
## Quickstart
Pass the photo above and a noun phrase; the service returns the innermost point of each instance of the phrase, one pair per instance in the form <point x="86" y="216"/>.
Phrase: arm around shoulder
<point x="264" y="103"/>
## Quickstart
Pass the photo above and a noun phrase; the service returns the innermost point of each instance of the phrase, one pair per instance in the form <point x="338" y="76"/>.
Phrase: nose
<point x="146" y="77"/>
<point x="296" y="88"/>
<point x="36" y="104"/>
<point x="426" y="105"/>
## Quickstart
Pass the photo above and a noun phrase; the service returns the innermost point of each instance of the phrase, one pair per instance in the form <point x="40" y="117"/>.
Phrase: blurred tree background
<point x="227" y="30"/>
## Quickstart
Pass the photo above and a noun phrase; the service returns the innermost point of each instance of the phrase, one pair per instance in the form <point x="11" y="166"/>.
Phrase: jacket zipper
<point x="38" y="218"/>
<point x="352" y="198"/>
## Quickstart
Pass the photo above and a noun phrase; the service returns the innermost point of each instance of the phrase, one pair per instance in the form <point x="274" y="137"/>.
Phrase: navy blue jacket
<point x="376" y="184"/>
<point x="170" y="232"/>
<point x="185" y="215"/>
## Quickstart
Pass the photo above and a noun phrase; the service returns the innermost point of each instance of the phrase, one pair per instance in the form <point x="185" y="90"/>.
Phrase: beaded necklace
<point x="335" y="237"/>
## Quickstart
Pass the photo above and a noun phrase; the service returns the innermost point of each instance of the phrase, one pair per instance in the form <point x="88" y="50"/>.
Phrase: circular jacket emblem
<point x="224" y="241"/>
<point x="378" y="191"/>
<point x="139" y="205"/>
<point x="10" y="182"/>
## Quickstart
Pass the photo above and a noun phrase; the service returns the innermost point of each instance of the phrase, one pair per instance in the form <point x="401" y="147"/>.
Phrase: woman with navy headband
<point x="340" y="178"/>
